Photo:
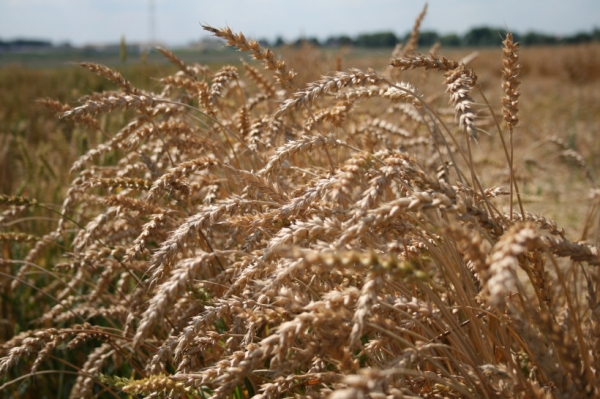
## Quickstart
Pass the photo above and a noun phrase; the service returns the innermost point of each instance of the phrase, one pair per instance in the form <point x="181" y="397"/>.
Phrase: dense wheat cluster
<point x="249" y="233"/>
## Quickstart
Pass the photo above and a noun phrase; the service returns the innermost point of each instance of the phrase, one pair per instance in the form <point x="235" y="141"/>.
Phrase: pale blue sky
<point x="178" y="21"/>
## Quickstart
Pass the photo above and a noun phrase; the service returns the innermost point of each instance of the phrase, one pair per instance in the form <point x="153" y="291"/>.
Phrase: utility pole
<point x="151" y="25"/>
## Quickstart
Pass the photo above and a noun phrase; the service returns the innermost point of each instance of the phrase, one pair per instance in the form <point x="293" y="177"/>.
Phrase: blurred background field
<point x="560" y="99"/>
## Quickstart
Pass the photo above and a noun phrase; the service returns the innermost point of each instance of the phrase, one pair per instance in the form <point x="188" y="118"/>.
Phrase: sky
<point x="178" y="22"/>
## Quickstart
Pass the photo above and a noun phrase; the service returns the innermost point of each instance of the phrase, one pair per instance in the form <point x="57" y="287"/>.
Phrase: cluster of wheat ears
<point x="245" y="235"/>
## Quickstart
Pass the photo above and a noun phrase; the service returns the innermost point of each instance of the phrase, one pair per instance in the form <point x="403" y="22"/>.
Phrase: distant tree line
<point x="476" y="37"/>
<point x="24" y="43"/>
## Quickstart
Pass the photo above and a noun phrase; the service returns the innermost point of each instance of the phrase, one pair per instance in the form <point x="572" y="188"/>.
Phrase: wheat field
<point x="297" y="226"/>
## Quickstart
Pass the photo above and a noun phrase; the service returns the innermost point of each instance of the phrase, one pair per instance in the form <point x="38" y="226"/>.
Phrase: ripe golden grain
<point x="330" y="239"/>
